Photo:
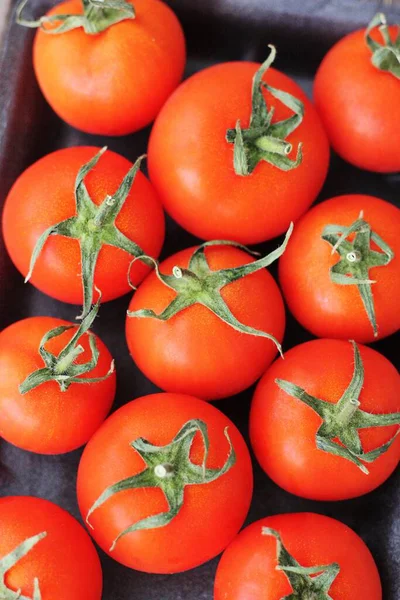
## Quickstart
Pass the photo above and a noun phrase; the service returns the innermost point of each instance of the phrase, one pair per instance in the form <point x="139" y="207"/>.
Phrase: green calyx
<point x="386" y="56"/>
<point x="341" y="421"/>
<point x="357" y="258"/>
<point x="98" y="15"/>
<point x="62" y="368"/>
<point x="170" y="469"/>
<point x="264" y="140"/>
<point x="94" y="226"/>
<point x="200" y="285"/>
<point x="9" y="561"/>
<point x="304" y="586"/>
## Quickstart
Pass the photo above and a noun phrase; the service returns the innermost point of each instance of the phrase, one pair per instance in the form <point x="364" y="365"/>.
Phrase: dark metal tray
<point x="216" y="31"/>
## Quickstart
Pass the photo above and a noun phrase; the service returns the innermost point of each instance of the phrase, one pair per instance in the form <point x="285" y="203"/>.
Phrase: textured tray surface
<point x="29" y="130"/>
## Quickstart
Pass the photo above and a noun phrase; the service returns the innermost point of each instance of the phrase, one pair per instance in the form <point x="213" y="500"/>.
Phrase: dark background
<point x="216" y="30"/>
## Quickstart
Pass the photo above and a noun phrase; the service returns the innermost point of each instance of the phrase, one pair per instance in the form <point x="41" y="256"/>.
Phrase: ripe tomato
<point x="329" y="309"/>
<point x="191" y="163"/>
<point x="116" y="81"/>
<point x="195" y="352"/>
<point x="63" y="562"/>
<point x="284" y="429"/>
<point x="249" y="566"/>
<point x="206" y="511"/>
<point x="352" y="96"/>
<point x="44" y="196"/>
<point x="46" y="419"/>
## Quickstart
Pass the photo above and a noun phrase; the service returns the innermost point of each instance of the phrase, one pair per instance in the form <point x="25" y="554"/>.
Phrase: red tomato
<point x="352" y="96"/>
<point x="47" y="420"/>
<point x="191" y="163"/>
<point x="115" y="82"/>
<point x="195" y="352"/>
<point x="212" y="513"/>
<point x="64" y="561"/>
<point x="328" y="309"/>
<point x="248" y="568"/>
<point x="283" y="429"/>
<point x="44" y="195"/>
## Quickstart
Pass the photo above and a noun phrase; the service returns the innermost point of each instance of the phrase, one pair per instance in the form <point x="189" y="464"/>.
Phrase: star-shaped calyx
<point x="357" y="258"/>
<point x="198" y="284"/>
<point x="308" y="583"/>
<point x="94" y="226"/>
<point x="62" y="368"/>
<point x="264" y="140"/>
<point x="170" y="469"/>
<point x="342" y="420"/>
<point x="9" y="561"/>
<point x="386" y="56"/>
<point x="97" y="16"/>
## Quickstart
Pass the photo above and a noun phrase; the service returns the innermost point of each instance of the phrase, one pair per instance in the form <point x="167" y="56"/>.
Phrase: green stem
<point x="303" y="585"/>
<point x="342" y="421"/>
<point x="63" y="368"/>
<point x="170" y="469"/>
<point x="268" y="143"/>
<point x="93" y="226"/>
<point x="198" y="284"/>
<point x="386" y="56"/>
<point x="356" y="258"/>
<point x="264" y="140"/>
<point x="10" y="560"/>
<point x="97" y="16"/>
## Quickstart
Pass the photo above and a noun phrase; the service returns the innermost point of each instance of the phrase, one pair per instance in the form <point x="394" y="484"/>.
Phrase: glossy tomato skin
<point x="191" y="163"/>
<point x="65" y="561"/>
<point x="212" y="514"/>
<point x="248" y="566"/>
<point x="195" y="352"/>
<point x="115" y="82"/>
<point x="46" y="420"/>
<point x="326" y="308"/>
<point x="44" y="195"/>
<point x="283" y="429"/>
<point x="352" y="97"/>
